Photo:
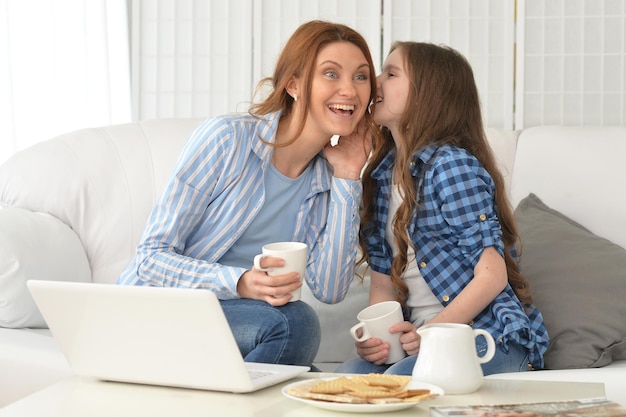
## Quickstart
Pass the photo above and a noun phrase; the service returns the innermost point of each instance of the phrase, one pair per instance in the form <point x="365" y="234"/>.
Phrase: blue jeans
<point x="289" y="334"/>
<point x="515" y="360"/>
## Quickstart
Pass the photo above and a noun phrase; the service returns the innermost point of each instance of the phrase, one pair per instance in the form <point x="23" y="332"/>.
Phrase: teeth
<point x="341" y="106"/>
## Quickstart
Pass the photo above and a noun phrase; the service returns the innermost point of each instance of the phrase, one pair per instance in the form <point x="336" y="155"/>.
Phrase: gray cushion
<point x="578" y="282"/>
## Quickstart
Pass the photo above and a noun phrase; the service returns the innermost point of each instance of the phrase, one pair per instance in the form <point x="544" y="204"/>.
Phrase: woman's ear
<point x="292" y="88"/>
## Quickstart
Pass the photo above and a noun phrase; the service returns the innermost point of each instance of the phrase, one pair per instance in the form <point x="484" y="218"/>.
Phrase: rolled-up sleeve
<point x="464" y="191"/>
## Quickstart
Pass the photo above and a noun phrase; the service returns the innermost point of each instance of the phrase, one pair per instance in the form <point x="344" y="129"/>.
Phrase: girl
<point x="436" y="227"/>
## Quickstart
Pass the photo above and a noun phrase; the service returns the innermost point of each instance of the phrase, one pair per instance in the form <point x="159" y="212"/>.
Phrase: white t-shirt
<point x="422" y="303"/>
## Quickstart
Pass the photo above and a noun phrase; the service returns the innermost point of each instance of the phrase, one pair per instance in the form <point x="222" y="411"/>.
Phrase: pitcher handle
<point x="491" y="345"/>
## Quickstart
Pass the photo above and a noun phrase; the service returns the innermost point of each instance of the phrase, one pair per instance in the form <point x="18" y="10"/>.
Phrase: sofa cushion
<point x="577" y="281"/>
<point x="102" y="182"/>
<point x="337" y="345"/>
<point x="34" y="246"/>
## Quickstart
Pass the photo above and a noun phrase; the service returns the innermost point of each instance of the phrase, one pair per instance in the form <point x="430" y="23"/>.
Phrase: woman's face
<point x="340" y="89"/>
<point x="392" y="91"/>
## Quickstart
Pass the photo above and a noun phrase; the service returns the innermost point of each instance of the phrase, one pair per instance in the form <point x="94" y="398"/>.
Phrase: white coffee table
<point x="81" y="397"/>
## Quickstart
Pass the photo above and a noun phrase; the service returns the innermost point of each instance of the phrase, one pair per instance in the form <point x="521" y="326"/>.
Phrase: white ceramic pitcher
<point x="448" y="357"/>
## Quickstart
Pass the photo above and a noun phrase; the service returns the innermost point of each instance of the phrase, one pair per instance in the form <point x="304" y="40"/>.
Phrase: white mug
<point x="375" y="321"/>
<point x="295" y="255"/>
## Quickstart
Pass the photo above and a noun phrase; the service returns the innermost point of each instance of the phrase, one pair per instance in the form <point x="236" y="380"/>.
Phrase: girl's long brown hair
<point x="442" y="108"/>
<point x="298" y="59"/>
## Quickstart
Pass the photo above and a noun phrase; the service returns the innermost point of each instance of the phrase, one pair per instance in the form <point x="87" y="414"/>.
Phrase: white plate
<point x="361" y="408"/>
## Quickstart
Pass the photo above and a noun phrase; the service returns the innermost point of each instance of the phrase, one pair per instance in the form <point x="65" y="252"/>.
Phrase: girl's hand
<point x="376" y="351"/>
<point x="409" y="338"/>
<point x="351" y="153"/>
<point x="373" y="350"/>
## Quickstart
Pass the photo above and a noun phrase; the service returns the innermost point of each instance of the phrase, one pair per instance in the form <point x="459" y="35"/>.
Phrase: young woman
<point x="436" y="227"/>
<point x="272" y="175"/>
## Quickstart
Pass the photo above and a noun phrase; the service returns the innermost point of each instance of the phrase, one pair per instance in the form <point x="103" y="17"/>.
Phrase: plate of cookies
<point x="373" y="393"/>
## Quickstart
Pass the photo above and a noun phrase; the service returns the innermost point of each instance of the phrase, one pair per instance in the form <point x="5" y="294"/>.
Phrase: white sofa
<point x="74" y="208"/>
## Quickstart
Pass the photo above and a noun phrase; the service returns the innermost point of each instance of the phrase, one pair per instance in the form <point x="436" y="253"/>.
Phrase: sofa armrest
<point x="34" y="246"/>
<point x="30" y="360"/>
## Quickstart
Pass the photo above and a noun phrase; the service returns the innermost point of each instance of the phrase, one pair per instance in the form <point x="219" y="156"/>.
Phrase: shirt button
<point x="445" y="298"/>
<point x="412" y="164"/>
<point x="482" y="217"/>
<point x="422" y="264"/>
<point x="471" y="323"/>
<point x="500" y="339"/>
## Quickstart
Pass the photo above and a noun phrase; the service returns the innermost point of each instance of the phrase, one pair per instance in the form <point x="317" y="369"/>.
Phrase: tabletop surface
<point x="79" y="396"/>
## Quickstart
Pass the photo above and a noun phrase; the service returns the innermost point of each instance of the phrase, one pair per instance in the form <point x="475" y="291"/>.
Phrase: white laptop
<point x="148" y="335"/>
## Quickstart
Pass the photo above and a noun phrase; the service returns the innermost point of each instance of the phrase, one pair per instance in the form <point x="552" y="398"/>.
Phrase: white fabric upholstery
<point x="578" y="171"/>
<point x="34" y="246"/>
<point x="30" y="360"/>
<point x="100" y="184"/>
<point x="504" y="145"/>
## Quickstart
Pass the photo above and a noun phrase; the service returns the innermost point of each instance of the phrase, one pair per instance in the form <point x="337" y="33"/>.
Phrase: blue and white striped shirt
<point x="455" y="221"/>
<point x="216" y="189"/>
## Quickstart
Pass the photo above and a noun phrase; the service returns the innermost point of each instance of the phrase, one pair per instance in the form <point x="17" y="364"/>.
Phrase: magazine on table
<point x="597" y="407"/>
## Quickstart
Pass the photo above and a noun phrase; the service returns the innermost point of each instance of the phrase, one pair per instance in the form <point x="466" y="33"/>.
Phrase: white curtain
<point x="64" y="65"/>
<point x="195" y="58"/>
<point x="482" y="30"/>
<point x="181" y="69"/>
<point x="198" y="58"/>
<point x="535" y="61"/>
<point x="571" y="62"/>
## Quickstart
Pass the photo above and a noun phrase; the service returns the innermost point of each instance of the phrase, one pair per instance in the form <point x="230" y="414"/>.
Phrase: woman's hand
<point x="275" y="290"/>
<point x="351" y="153"/>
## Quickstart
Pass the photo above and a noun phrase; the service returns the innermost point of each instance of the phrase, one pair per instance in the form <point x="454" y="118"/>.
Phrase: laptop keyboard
<point x="258" y="374"/>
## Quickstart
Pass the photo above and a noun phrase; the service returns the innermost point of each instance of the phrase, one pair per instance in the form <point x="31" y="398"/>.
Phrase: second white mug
<point x="375" y="321"/>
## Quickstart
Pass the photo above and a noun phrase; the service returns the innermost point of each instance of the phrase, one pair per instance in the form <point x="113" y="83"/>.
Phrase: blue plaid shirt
<point x="455" y="221"/>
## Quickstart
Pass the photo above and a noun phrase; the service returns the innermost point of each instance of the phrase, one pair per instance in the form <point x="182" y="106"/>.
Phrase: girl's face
<point x="392" y="91"/>
<point x="340" y="90"/>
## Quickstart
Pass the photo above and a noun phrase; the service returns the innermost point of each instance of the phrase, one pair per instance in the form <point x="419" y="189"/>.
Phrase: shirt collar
<point x="419" y="159"/>
<point x="265" y="132"/>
